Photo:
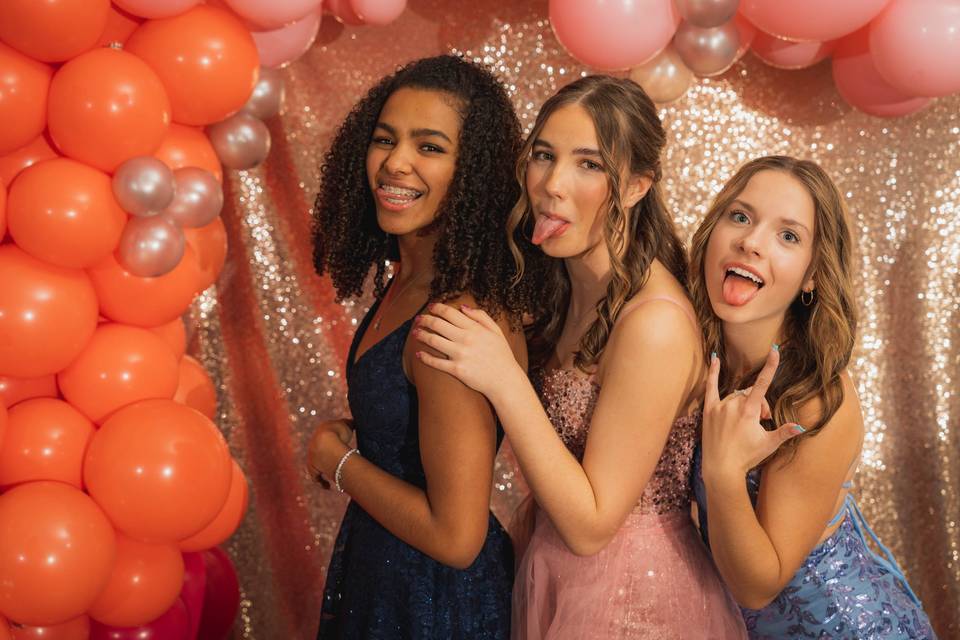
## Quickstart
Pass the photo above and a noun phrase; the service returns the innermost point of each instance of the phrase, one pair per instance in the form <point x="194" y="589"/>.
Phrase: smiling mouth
<point x="397" y="196"/>
<point x="740" y="286"/>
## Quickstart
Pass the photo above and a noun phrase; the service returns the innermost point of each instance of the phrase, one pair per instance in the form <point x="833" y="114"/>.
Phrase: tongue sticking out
<point x="738" y="291"/>
<point x="547" y="228"/>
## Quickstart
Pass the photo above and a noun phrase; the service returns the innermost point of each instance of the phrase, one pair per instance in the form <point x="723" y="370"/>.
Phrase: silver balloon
<point x="665" y="78"/>
<point x="198" y="198"/>
<point x="150" y="247"/>
<point x="267" y="96"/>
<point x="708" y="52"/>
<point x="707" y="13"/>
<point x="241" y="141"/>
<point x="143" y="186"/>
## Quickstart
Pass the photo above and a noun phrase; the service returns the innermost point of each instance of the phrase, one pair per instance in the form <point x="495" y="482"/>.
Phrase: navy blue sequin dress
<point x="377" y="585"/>
<point x="842" y="590"/>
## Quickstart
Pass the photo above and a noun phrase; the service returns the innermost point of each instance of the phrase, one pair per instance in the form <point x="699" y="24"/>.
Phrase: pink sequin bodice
<point x="569" y="398"/>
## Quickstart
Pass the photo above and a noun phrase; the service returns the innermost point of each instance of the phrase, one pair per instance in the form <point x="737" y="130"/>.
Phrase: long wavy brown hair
<point x="817" y="339"/>
<point x="631" y="139"/>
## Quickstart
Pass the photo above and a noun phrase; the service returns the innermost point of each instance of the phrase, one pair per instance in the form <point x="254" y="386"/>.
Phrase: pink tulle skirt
<point x="653" y="581"/>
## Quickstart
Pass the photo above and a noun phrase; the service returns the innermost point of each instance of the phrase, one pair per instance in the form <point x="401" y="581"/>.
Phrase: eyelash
<point x="545" y="156"/>
<point x="784" y="234"/>
<point x="426" y="147"/>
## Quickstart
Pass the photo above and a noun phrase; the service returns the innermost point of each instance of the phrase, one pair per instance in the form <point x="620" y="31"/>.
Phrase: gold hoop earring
<point x="806" y="298"/>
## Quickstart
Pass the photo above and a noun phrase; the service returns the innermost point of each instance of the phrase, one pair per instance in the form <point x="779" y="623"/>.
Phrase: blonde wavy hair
<point x="631" y="138"/>
<point x="818" y="339"/>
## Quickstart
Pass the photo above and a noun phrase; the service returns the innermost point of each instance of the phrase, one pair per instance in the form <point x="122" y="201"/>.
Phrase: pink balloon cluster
<point x="890" y="57"/>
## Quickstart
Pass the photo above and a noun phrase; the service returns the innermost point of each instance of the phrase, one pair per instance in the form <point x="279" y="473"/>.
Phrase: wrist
<point x="332" y="451"/>
<point x="513" y="378"/>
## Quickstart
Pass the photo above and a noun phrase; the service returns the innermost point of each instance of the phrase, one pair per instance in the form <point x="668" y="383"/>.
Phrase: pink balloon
<point x="282" y="46"/>
<point x="786" y="54"/>
<point x="747" y="33"/>
<point x="194" y="586"/>
<point x="860" y="84"/>
<point x="172" y="625"/>
<point x="343" y="12"/>
<point x="272" y="14"/>
<point x="811" y="19"/>
<point x="221" y="600"/>
<point x="614" y="34"/>
<point x="916" y="46"/>
<point x="378" y="12"/>
<point x="156" y="8"/>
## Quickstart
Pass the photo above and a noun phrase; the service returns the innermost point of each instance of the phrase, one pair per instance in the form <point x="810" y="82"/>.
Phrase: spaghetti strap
<point x="631" y="306"/>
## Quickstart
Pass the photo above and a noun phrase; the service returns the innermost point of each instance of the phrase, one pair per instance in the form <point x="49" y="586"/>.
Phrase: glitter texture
<point x="275" y="340"/>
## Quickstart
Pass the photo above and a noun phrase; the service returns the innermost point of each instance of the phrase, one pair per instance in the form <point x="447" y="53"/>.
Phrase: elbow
<point x="753" y="599"/>
<point x="585" y="544"/>
<point x="461" y="551"/>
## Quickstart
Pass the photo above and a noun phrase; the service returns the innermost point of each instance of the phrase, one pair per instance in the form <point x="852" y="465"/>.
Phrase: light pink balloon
<point x="819" y="20"/>
<point x="614" y="34"/>
<point x="916" y="46"/>
<point x="786" y="54"/>
<point x="156" y="8"/>
<point x="272" y="14"/>
<point x="282" y="46"/>
<point x="862" y="86"/>
<point x="378" y="12"/>
<point x="747" y="33"/>
<point x="343" y="12"/>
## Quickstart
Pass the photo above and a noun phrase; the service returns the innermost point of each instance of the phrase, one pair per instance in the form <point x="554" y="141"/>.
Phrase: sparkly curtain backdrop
<point x="275" y="340"/>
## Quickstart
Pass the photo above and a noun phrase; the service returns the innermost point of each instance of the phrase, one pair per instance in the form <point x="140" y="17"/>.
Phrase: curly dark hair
<point x="471" y="254"/>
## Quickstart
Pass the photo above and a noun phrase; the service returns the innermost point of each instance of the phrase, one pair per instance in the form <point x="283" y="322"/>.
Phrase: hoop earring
<point x="806" y="298"/>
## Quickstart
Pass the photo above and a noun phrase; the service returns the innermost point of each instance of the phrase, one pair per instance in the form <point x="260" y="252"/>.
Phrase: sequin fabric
<point x="842" y="590"/>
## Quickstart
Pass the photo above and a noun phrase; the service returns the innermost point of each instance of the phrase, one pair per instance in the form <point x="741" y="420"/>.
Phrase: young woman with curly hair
<point x="420" y="172"/>
<point x="770" y="276"/>
<point x="605" y="432"/>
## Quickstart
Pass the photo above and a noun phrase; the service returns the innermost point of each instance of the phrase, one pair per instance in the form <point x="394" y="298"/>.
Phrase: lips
<point x="741" y="284"/>
<point x="396" y="197"/>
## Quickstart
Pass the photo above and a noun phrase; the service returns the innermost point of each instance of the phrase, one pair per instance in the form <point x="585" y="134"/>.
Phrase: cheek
<point x="533" y="176"/>
<point x="373" y="163"/>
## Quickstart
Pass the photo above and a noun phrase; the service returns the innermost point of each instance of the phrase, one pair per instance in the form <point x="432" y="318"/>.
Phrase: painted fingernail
<point x="713" y="355"/>
<point x="776" y="347"/>
<point x="419" y="355"/>
<point x="465" y="307"/>
<point x="799" y="429"/>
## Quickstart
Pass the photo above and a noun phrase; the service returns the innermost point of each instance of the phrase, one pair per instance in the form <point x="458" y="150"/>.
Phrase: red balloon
<point x="145" y="582"/>
<point x="76" y="629"/>
<point x="195" y="388"/>
<point x="35" y="151"/>
<point x="209" y="243"/>
<point x="63" y="212"/>
<point x="194" y="585"/>
<point x="174" y="333"/>
<point x="56" y="551"/>
<point x="229" y="518"/>
<point x="3" y="211"/>
<point x="47" y="314"/>
<point x="24" y="87"/>
<point x="221" y="600"/>
<point x="52" y="30"/>
<point x="160" y="470"/>
<point x="5" y="633"/>
<point x="172" y="625"/>
<point x="186" y="146"/>
<point x="146" y="302"/>
<point x="14" y="390"/>
<point x="3" y="423"/>
<point x="121" y="365"/>
<point x="107" y="106"/>
<point x="206" y="58"/>
<point x="45" y="440"/>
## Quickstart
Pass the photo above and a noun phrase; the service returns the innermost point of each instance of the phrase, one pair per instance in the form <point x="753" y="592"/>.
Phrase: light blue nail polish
<point x="799" y="429"/>
<point x="776" y="347"/>
<point x="713" y="355"/>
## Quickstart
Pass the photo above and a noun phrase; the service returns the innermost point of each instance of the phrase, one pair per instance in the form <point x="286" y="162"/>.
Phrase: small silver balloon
<point x="198" y="198"/>
<point x="707" y="13"/>
<point x="267" y="96"/>
<point x="150" y="247"/>
<point x="707" y="52"/>
<point x="241" y="141"/>
<point x="143" y="186"/>
<point x="665" y="78"/>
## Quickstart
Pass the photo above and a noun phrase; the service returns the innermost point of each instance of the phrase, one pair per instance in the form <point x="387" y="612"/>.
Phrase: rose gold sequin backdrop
<point x="275" y="340"/>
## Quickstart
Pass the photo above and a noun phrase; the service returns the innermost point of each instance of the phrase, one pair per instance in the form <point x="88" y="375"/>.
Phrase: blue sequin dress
<point x="842" y="590"/>
<point x="377" y="585"/>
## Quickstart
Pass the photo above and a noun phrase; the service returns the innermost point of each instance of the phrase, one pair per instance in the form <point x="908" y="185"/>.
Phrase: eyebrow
<point x="786" y="221"/>
<point x="416" y="133"/>
<point x="579" y="151"/>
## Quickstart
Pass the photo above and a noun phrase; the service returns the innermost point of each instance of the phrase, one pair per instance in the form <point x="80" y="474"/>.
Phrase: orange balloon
<point x="14" y="390"/>
<point x="209" y="242"/>
<point x="3" y="211"/>
<point x="186" y="146"/>
<point x="229" y="518"/>
<point x="107" y="106"/>
<point x="174" y="333"/>
<point x="3" y="423"/>
<point x="146" y="302"/>
<point x="52" y="30"/>
<point x="46" y="440"/>
<point x="120" y="25"/>
<point x="206" y="58"/>
<point x="29" y="154"/>
<point x="195" y="388"/>
<point x="56" y="551"/>
<point x="76" y="629"/>
<point x="47" y="314"/>
<point x="5" y="633"/>
<point x="64" y="213"/>
<point x="24" y="86"/>
<point x="121" y="365"/>
<point x="160" y="470"/>
<point x="145" y="582"/>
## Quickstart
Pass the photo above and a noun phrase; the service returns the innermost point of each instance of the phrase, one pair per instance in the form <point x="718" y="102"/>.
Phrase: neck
<point x="416" y="257"/>
<point x="589" y="276"/>
<point x="747" y="345"/>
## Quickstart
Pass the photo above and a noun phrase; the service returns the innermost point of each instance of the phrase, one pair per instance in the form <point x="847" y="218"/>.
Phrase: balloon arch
<point x="117" y="121"/>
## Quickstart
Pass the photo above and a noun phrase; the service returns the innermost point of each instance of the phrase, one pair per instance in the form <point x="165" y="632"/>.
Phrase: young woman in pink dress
<point x="604" y="430"/>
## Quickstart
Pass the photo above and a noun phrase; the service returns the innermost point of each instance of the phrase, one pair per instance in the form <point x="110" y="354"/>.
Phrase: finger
<point x="440" y="364"/>
<point x="712" y="395"/>
<point x="454" y="316"/>
<point x="481" y="316"/>
<point x="439" y="326"/>
<point x="438" y="342"/>
<point x="765" y="413"/>
<point x="764" y="379"/>
<point x="783" y="433"/>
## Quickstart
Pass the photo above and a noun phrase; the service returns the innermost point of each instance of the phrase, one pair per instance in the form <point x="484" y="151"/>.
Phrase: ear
<point x="637" y="187"/>
<point x="809" y="285"/>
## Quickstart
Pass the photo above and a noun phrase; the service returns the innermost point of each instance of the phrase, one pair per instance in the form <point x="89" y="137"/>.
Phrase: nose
<point x="749" y="241"/>
<point x="397" y="161"/>
<point x="554" y="182"/>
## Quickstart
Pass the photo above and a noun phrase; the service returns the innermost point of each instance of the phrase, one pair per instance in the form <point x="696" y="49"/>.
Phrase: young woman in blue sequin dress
<point x="771" y="281"/>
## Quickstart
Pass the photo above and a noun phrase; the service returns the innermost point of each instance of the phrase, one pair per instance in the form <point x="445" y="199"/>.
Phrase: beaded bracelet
<point x="338" y="474"/>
